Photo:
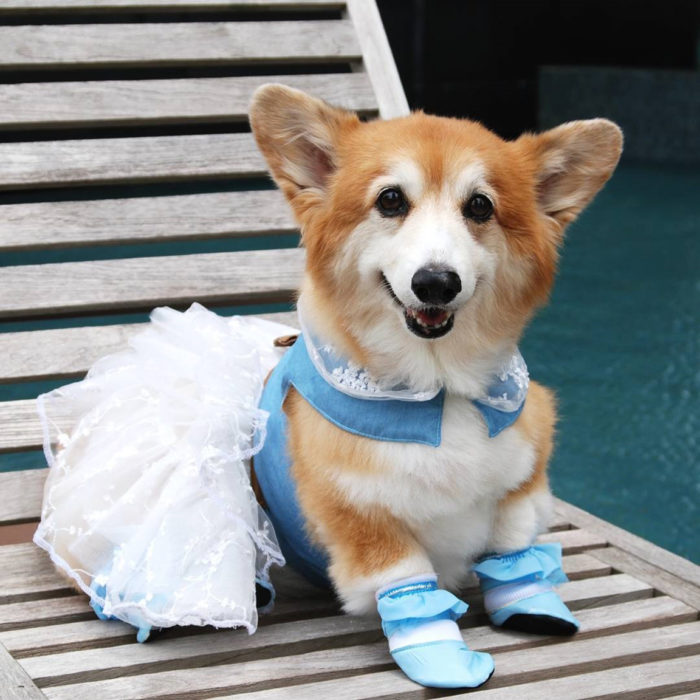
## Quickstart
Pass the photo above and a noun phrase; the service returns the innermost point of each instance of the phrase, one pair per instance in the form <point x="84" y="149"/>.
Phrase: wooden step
<point x="249" y="277"/>
<point x="51" y="47"/>
<point x="515" y="664"/>
<point x="129" y="160"/>
<point x="650" y="680"/>
<point x="182" y="101"/>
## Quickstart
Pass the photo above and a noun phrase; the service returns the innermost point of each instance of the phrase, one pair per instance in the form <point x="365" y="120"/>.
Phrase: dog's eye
<point x="391" y="202"/>
<point x="479" y="208"/>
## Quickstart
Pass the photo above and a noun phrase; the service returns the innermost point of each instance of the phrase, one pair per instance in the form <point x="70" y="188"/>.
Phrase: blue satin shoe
<point x="418" y="619"/>
<point x="518" y="590"/>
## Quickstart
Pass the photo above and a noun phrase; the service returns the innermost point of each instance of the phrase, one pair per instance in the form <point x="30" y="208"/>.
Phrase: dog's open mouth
<point x="427" y="322"/>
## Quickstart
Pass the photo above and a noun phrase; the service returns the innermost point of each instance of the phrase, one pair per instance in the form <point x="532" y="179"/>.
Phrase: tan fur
<point x="360" y="540"/>
<point x="536" y="423"/>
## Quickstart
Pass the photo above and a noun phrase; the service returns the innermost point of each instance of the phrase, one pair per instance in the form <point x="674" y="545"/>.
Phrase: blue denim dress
<point x="391" y="420"/>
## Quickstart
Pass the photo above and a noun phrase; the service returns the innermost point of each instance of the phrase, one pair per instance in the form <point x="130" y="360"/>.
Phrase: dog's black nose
<point x="436" y="285"/>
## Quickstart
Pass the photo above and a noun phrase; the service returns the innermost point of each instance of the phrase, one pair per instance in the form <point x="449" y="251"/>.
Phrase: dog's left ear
<point x="573" y="161"/>
<point x="298" y="135"/>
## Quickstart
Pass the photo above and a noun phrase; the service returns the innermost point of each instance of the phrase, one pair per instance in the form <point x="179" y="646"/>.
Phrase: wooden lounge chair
<point x="175" y="77"/>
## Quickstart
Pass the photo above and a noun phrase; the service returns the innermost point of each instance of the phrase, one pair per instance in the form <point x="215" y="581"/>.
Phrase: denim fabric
<point x="379" y="419"/>
<point x="496" y="420"/>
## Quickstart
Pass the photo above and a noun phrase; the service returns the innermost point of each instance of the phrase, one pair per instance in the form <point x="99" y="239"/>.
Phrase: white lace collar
<point x="506" y="392"/>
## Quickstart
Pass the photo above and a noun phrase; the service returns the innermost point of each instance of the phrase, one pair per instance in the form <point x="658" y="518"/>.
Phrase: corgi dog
<point x="430" y="242"/>
<point x="398" y="443"/>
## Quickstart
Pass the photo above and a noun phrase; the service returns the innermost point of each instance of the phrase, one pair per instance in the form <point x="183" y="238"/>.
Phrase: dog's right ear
<point x="298" y="135"/>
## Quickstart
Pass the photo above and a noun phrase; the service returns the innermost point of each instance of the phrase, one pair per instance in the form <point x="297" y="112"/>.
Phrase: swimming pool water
<point x="619" y="344"/>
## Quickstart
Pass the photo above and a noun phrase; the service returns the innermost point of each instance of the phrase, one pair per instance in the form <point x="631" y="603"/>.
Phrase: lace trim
<point x="348" y="377"/>
<point x="509" y="386"/>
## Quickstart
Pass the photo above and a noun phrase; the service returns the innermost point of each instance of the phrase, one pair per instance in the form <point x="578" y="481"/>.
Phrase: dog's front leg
<point x="376" y="562"/>
<point x="517" y="577"/>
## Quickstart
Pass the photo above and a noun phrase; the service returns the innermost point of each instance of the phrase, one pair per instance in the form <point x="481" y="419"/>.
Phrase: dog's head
<point x="430" y="241"/>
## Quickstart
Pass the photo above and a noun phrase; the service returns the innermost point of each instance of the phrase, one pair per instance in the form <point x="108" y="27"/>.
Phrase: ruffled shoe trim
<point x="421" y="605"/>
<point x="538" y="562"/>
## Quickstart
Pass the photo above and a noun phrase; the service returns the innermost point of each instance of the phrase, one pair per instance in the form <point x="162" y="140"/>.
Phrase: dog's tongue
<point x="432" y="317"/>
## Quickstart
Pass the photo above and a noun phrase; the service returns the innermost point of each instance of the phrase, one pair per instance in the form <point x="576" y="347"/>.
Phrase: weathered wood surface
<point x="662" y="580"/>
<point x="629" y="542"/>
<point x="188" y="651"/>
<point x="255" y="276"/>
<point x="22" y="492"/>
<point x="378" y="60"/>
<point x="64" y="635"/>
<point x="70" y="654"/>
<point x="10" y="7"/>
<point x="515" y="663"/>
<point x="131" y="102"/>
<point x="67" y="353"/>
<point x="129" y="160"/>
<point x="649" y="680"/>
<point x="184" y="43"/>
<point x="19" y="425"/>
<point x="16" y="684"/>
<point x="46" y="225"/>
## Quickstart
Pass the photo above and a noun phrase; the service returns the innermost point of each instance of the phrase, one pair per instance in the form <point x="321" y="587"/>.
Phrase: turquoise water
<point x="619" y="343"/>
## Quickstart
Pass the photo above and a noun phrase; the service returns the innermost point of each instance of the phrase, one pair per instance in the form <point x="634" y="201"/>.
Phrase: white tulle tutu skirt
<point x="148" y="504"/>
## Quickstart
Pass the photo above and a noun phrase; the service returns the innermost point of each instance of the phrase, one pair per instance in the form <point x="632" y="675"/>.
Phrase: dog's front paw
<point x="444" y="664"/>
<point x="518" y="590"/>
<point x="418" y="619"/>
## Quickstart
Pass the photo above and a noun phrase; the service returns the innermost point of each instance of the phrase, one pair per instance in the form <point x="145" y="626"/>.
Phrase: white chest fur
<point x="446" y="494"/>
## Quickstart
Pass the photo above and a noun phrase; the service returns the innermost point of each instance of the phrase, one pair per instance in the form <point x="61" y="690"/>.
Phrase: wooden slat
<point x="643" y="681"/>
<point x="254" y="276"/>
<point x="579" y="566"/>
<point x="19" y="425"/>
<point x="45" y="225"/>
<point x="515" y="665"/>
<point x="72" y="636"/>
<point x="627" y="541"/>
<point x="130" y="102"/>
<point x="28" y="574"/>
<point x="47" y="611"/>
<point x="16" y="684"/>
<point x="660" y="579"/>
<point x="378" y="59"/>
<point x="184" y="43"/>
<point x="648" y="680"/>
<point x="304" y="635"/>
<point x="129" y="160"/>
<point x="188" y="652"/>
<point x="62" y="353"/>
<point x="603" y="591"/>
<point x="69" y="352"/>
<point x="13" y="6"/>
<point x="22" y="492"/>
<point x="573" y="541"/>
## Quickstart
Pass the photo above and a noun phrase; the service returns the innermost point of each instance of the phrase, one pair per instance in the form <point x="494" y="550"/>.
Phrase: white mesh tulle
<point x="149" y="493"/>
